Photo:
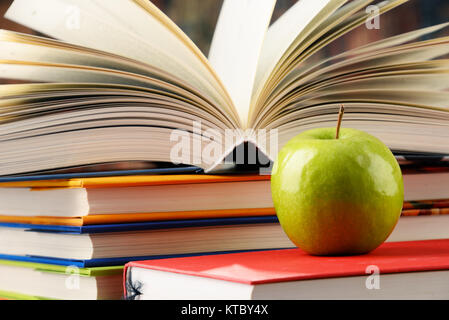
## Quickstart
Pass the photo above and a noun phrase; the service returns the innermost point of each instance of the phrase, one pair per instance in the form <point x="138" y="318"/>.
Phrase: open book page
<point x="346" y="25"/>
<point x="395" y="40"/>
<point x="299" y="53"/>
<point x="377" y="63"/>
<point x="414" y="76"/>
<point x="26" y="48"/>
<point x="299" y="47"/>
<point x="424" y="99"/>
<point x="103" y="111"/>
<point x="166" y="21"/>
<point x="372" y="48"/>
<point x="30" y="58"/>
<point x="321" y="31"/>
<point x="432" y="76"/>
<point x="236" y="46"/>
<point x="400" y="127"/>
<point x="141" y="79"/>
<point x="296" y="22"/>
<point x="303" y="47"/>
<point x="122" y="27"/>
<point x="105" y="123"/>
<point x="90" y="99"/>
<point x="341" y="23"/>
<point x="99" y="145"/>
<point x="380" y="67"/>
<point x="368" y="110"/>
<point x="430" y="80"/>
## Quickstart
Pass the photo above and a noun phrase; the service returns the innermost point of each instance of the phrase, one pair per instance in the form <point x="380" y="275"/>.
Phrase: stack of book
<point x="69" y="238"/>
<point x="93" y="226"/>
<point x="119" y="82"/>
<point x="426" y="205"/>
<point x="396" y="270"/>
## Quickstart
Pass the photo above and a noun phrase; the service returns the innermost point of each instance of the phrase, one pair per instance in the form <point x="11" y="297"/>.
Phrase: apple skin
<point x="337" y="197"/>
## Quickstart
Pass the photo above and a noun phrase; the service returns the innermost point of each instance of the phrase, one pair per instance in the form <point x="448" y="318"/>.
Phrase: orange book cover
<point x="139" y="217"/>
<point x="410" y="208"/>
<point x="181" y="215"/>
<point x="133" y="181"/>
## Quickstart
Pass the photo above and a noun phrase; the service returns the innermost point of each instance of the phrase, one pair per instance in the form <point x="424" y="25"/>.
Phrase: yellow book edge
<point x="138" y="217"/>
<point x="132" y="181"/>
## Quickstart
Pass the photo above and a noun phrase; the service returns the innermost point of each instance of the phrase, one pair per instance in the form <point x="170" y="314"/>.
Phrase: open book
<point x="126" y="84"/>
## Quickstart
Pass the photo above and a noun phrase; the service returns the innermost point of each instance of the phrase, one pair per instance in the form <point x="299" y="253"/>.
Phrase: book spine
<point x="426" y="204"/>
<point x="425" y="212"/>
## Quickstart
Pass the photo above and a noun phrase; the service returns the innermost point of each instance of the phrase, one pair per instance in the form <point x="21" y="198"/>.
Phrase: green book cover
<point x="87" y="272"/>
<point x="18" y="296"/>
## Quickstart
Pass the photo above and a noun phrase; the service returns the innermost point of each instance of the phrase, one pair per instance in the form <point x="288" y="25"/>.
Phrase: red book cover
<point x="293" y="264"/>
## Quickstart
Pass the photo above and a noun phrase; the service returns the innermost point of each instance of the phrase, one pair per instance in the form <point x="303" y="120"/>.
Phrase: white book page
<point x="125" y="28"/>
<point x="282" y="34"/>
<point x="371" y="48"/>
<point x="236" y="47"/>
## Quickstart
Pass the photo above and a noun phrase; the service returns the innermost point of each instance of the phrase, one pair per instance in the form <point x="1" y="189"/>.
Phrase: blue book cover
<point x="124" y="228"/>
<point x="92" y="263"/>
<point x="97" y="174"/>
<point x="140" y="226"/>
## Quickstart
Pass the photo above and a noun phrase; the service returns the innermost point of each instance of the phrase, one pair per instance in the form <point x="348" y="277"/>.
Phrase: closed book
<point x="38" y="281"/>
<point x="192" y="195"/>
<point x="102" y="245"/>
<point x="399" y="270"/>
<point x="128" y="199"/>
<point x="115" y="244"/>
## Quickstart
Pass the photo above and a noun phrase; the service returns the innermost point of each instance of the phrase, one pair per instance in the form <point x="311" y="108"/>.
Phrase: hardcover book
<point x="117" y="244"/>
<point x="123" y="83"/>
<point x="37" y="281"/>
<point x="400" y="270"/>
<point x="129" y="198"/>
<point x="144" y="197"/>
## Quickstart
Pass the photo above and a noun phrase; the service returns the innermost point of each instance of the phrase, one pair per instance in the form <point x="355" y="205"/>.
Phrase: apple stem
<point x="340" y="118"/>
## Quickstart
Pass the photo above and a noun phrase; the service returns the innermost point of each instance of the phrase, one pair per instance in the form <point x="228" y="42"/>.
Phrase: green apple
<point x="337" y="196"/>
